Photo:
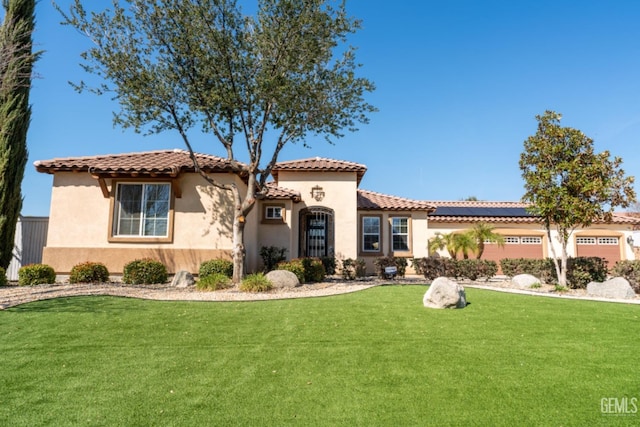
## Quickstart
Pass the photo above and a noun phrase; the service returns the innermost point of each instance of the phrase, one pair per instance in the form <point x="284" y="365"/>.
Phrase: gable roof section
<point x="369" y="200"/>
<point x="319" y="164"/>
<point x="149" y="163"/>
<point x="279" y="193"/>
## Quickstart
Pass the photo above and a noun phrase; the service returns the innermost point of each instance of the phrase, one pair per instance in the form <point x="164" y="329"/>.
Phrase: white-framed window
<point x="371" y="234"/>
<point x="607" y="240"/>
<point x="400" y="234"/>
<point x="273" y="212"/>
<point x="512" y="240"/>
<point x="585" y="240"/>
<point x="142" y="210"/>
<point x="531" y="240"/>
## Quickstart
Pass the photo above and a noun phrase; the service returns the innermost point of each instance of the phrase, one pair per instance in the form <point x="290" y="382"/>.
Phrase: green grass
<point x="376" y="357"/>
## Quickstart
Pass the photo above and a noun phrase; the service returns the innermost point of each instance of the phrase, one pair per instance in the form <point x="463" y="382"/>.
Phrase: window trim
<point x="269" y="220"/>
<point x="114" y="238"/>
<point x="361" y="235"/>
<point x="409" y="250"/>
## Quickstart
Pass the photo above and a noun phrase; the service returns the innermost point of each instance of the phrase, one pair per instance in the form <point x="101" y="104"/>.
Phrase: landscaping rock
<point x="283" y="279"/>
<point x="524" y="281"/>
<point x="445" y="293"/>
<point x="183" y="279"/>
<point x="617" y="288"/>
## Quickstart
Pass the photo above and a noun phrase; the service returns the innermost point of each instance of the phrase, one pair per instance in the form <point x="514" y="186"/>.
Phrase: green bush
<point x="383" y="262"/>
<point x="144" y="271"/>
<point x="329" y="264"/>
<point x="257" y="282"/>
<point x="313" y="270"/>
<point x="630" y="270"/>
<point x="3" y="277"/>
<point x="36" y="274"/>
<point x="353" y="268"/>
<point x="433" y="267"/>
<point x="213" y="266"/>
<point x="213" y="282"/>
<point x="543" y="268"/>
<point x="295" y="266"/>
<point x="89" y="272"/>
<point x="582" y="270"/>
<point x="473" y="269"/>
<point x="271" y="256"/>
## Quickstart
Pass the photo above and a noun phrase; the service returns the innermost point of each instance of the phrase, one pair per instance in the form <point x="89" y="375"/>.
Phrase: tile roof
<point x="279" y="193"/>
<point x="369" y="200"/>
<point x="319" y="164"/>
<point x="154" y="163"/>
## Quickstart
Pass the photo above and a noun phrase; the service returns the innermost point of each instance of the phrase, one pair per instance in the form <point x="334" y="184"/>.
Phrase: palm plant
<point x="443" y="241"/>
<point x="483" y="232"/>
<point x="465" y="243"/>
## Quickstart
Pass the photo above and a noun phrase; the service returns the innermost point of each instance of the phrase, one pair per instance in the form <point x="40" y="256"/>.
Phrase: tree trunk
<point x="238" y="247"/>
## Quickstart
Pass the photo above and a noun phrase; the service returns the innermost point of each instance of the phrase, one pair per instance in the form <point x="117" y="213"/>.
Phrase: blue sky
<point x="459" y="84"/>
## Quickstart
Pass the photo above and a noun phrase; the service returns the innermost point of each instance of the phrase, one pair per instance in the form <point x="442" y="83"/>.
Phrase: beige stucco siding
<point x="339" y="195"/>
<point x="202" y="225"/>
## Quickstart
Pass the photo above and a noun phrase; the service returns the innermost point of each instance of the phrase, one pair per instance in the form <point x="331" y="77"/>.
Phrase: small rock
<point x="183" y="279"/>
<point x="524" y="281"/>
<point x="617" y="288"/>
<point x="445" y="293"/>
<point x="283" y="279"/>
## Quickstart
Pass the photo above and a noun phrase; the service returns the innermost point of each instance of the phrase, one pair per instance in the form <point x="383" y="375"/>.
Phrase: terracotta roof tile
<point x="165" y="162"/>
<point x="320" y="164"/>
<point x="369" y="200"/>
<point x="279" y="193"/>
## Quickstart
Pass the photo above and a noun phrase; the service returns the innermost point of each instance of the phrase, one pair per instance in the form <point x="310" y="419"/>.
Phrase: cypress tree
<point x="16" y="63"/>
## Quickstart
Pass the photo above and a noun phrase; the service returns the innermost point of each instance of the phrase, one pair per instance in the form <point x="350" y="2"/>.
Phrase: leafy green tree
<point x="482" y="232"/>
<point x="261" y="81"/>
<point x="568" y="184"/>
<point x="16" y="64"/>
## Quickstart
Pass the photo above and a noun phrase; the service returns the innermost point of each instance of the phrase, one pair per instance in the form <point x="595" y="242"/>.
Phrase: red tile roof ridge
<point x="373" y="200"/>
<point x="318" y="159"/>
<point x="478" y="203"/>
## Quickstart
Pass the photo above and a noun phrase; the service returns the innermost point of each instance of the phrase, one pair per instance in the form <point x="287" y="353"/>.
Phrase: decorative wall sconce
<point x="317" y="193"/>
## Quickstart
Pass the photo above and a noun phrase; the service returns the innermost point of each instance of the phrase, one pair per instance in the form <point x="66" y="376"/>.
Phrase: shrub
<point x="36" y="274"/>
<point x="3" y="277"/>
<point x="89" y="272"/>
<point x="213" y="282"/>
<point x="213" y="266"/>
<point x="257" y="282"/>
<point x="543" y="269"/>
<point x="313" y="270"/>
<point x="399" y="263"/>
<point x="329" y="264"/>
<point x="433" y="267"/>
<point x="473" y="269"/>
<point x="295" y="266"/>
<point x="271" y="256"/>
<point x="582" y="270"/>
<point x="630" y="270"/>
<point x="144" y="271"/>
<point x="353" y="268"/>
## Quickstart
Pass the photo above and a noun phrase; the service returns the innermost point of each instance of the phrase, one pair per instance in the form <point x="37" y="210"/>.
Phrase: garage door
<point x="514" y="247"/>
<point x="607" y="247"/>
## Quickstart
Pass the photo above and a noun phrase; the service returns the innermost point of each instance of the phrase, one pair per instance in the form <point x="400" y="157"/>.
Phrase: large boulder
<point x="283" y="279"/>
<point x="524" y="281"/>
<point x="617" y="288"/>
<point x="183" y="279"/>
<point x="445" y="293"/>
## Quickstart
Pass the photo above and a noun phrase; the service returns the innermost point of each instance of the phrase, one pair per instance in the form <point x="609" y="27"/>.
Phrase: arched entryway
<point x="316" y="232"/>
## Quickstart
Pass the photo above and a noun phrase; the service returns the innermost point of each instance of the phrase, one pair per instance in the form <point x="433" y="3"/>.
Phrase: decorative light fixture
<point x="317" y="193"/>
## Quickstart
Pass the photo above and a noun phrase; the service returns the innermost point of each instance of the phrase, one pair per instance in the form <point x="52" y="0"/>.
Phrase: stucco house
<point x="117" y="208"/>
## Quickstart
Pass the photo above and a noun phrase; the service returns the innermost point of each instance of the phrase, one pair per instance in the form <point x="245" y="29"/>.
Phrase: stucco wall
<point x="80" y="217"/>
<point x="339" y="195"/>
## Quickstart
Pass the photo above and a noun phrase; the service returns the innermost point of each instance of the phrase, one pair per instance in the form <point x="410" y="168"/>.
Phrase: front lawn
<point x="375" y="357"/>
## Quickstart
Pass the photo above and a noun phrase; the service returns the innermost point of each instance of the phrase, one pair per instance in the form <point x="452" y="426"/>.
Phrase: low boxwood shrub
<point x="36" y="274"/>
<point x="257" y="282"/>
<point x="543" y="269"/>
<point x="630" y="270"/>
<point x="313" y="270"/>
<point x="3" y="277"/>
<point x="329" y="264"/>
<point x="89" y="272"/>
<point x="295" y="266"/>
<point x="144" y="271"/>
<point x="473" y="269"/>
<point x="213" y="282"/>
<point x="582" y="270"/>
<point x="216" y="266"/>
<point x="433" y="267"/>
